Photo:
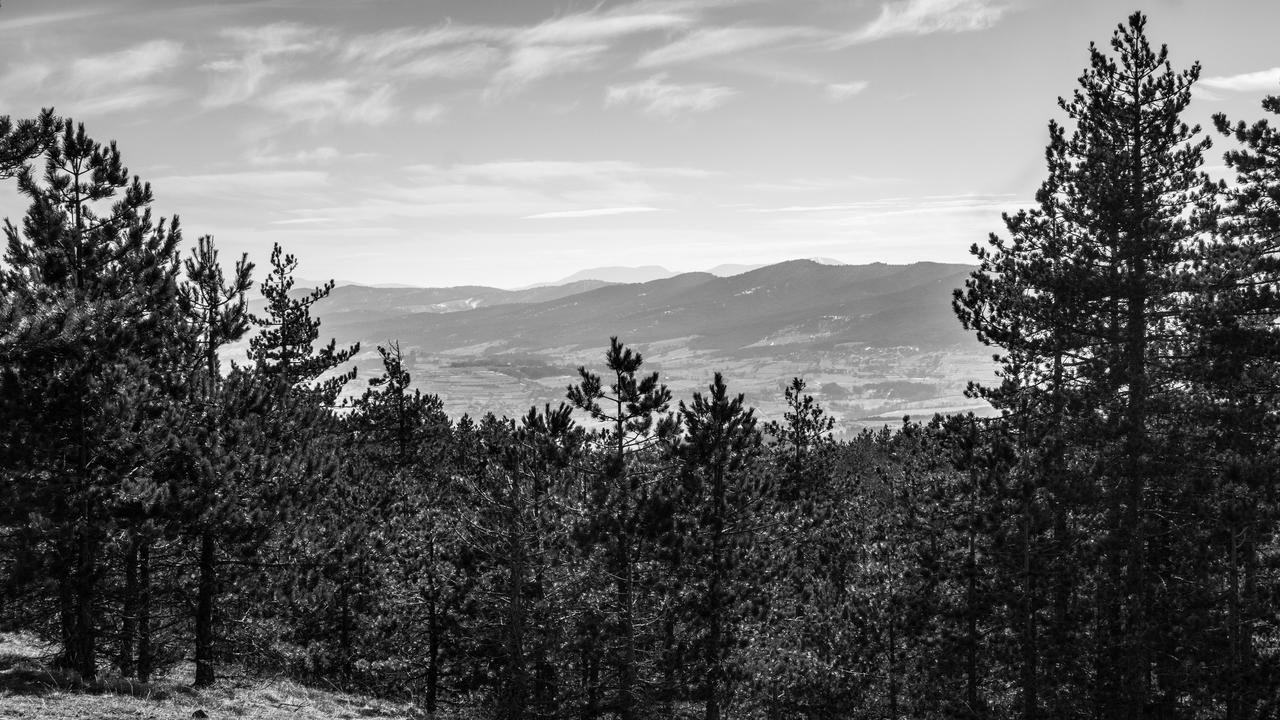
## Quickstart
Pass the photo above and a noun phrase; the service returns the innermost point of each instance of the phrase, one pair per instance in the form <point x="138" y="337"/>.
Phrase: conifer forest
<point x="1105" y="546"/>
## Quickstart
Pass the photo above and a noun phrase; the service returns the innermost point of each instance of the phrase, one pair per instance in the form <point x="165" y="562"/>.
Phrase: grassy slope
<point x="29" y="689"/>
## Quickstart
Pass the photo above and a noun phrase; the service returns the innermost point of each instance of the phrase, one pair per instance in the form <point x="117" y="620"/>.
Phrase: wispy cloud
<point x="544" y="171"/>
<point x="533" y="62"/>
<point x="26" y="75"/>
<point x="31" y="21"/>
<point x="258" y="54"/>
<point x="593" y="27"/>
<point x="104" y="83"/>
<point x="714" y="42"/>
<point x="303" y="221"/>
<point x="929" y="204"/>
<point x="253" y="184"/>
<point x="591" y="213"/>
<point x="140" y="62"/>
<point x="775" y="71"/>
<point x="512" y="56"/>
<point x="535" y="189"/>
<point x="1245" y="82"/>
<point x="690" y="6"/>
<point x="843" y="91"/>
<point x="925" y="17"/>
<point x="574" y="43"/>
<point x="658" y="96"/>
<point x="344" y="100"/>
<point x="406" y="43"/>
<point x="457" y="62"/>
<point x="123" y="99"/>
<point x="429" y="113"/>
<point x="268" y="155"/>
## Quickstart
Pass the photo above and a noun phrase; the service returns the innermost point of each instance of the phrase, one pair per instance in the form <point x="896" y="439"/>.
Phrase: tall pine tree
<point x="1085" y="303"/>
<point x="88" y="298"/>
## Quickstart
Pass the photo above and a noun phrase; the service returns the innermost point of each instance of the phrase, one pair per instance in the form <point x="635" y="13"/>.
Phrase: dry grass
<point x="29" y="688"/>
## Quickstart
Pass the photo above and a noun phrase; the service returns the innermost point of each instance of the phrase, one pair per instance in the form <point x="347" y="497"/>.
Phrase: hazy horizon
<point x="508" y="144"/>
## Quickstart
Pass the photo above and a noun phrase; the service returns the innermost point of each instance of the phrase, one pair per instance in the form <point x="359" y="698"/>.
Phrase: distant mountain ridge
<point x="614" y="274"/>
<point x="876" y="341"/>
<point x="648" y="273"/>
<point x="618" y="274"/>
<point x="381" y="301"/>
<point x="800" y="302"/>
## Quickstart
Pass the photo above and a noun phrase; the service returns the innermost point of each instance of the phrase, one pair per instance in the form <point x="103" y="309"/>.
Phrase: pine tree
<point x="88" y="298"/>
<point x="285" y="349"/>
<point x="519" y="532"/>
<point x="1084" y="301"/>
<point x="217" y="313"/>
<point x="377" y="527"/>
<point x="720" y="444"/>
<point x="804" y="432"/>
<point x="634" y="411"/>
<point x="1232" y="372"/>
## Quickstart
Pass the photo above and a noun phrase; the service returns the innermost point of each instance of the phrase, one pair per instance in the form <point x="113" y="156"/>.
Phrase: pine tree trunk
<point x="669" y="664"/>
<point x="1251" y="689"/>
<point x="626" y="666"/>
<point x="433" y="653"/>
<point x="145" y="658"/>
<point x="85" y="633"/>
<point x="517" y="688"/>
<point x="590" y="682"/>
<point x="204" y="611"/>
<point x="893" y="670"/>
<point x="208" y="582"/>
<point x="627" y="669"/>
<point x="715" y="663"/>
<point x="715" y="651"/>
<point x="66" y="616"/>
<point x="544" y="671"/>
<point x="971" y="618"/>
<point x="344" y="627"/>
<point x="1137" y="657"/>
<point x="1030" y="651"/>
<point x="1233" y="626"/>
<point x="129" y="611"/>
<point x="1064" y="659"/>
<point x="1139" y="619"/>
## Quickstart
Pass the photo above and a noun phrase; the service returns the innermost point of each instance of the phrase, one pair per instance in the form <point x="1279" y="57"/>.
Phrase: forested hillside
<point x="1105" y="547"/>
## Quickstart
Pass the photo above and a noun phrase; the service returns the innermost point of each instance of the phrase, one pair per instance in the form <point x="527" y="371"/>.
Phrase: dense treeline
<point x="1106" y="547"/>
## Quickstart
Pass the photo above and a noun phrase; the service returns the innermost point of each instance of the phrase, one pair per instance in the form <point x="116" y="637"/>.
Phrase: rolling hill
<point x="792" y="305"/>
<point x="872" y="340"/>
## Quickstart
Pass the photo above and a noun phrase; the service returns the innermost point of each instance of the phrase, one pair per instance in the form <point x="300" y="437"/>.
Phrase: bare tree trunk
<point x="129" y="614"/>
<point x="1030" y="651"/>
<point x="626" y="659"/>
<point x="715" y="651"/>
<point x="66" y="617"/>
<point x="971" y="623"/>
<point x="145" y="658"/>
<point x="433" y="653"/>
<point x="516" y="691"/>
<point x="893" y="670"/>
<point x="344" y="626"/>
<point x="204" y="611"/>
<point x="1234" y="640"/>
<point x="84" y="637"/>
<point x="591" y="679"/>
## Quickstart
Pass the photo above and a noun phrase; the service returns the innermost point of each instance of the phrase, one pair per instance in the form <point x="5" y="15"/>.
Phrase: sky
<point x="505" y="143"/>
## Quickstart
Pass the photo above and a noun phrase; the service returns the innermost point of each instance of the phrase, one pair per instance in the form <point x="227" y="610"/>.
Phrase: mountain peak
<point x="619" y="274"/>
